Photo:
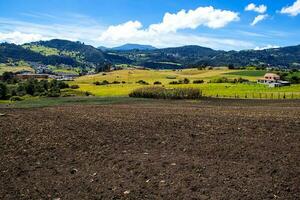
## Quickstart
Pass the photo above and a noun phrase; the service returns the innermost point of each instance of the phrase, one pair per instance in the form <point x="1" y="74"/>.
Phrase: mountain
<point x="129" y="47"/>
<point x="61" y="52"/>
<point x="193" y="56"/>
<point x="76" y="54"/>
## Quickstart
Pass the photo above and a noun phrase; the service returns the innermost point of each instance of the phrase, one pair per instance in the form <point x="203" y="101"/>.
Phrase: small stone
<point x="147" y="181"/>
<point x="126" y="192"/>
<point x="74" y="171"/>
<point x="173" y="164"/>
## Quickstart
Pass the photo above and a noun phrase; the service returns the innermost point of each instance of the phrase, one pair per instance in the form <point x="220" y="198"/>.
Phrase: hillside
<point x="76" y="54"/>
<point x="193" y="56"/>
<point x="60" y="52"/>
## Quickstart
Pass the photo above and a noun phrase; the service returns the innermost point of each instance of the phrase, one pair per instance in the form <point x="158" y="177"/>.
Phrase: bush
<point x="16" y="98"/>
<point x="174" y="83"/>
<point x="88" y="93"/>
<point x="186" y="81"/>
<point x="162" y="93"/>
<point x="3" y="90"/>
<point x="105" y="82"/>
<point x="116" y="82"/>
<point x="142" y="82"/>
<point x="53" y="94"/>
<point x="226" y="80"/>
<point x="157" y="83"/>
<point x="198" y="81"/>
<point x="74" y="87"/>
<point x="97" y="83"/>
<point x="62" y="85"/>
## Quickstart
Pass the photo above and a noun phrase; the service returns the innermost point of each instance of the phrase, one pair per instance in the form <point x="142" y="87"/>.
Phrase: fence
<point x="260" y="95"/>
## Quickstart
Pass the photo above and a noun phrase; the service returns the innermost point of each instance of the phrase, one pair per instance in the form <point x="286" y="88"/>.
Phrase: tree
<point x="3" y="90"/>
<point x="8" y="76"/>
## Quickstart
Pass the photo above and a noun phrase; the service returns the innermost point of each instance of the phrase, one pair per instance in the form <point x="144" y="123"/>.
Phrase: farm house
<point x="272" y="80"/>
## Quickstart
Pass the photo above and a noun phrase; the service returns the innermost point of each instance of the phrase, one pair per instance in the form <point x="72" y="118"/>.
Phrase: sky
<point x="218" y="24"/>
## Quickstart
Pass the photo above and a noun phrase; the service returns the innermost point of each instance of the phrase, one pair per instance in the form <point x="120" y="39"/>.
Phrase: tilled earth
<point x="225" y="149"/>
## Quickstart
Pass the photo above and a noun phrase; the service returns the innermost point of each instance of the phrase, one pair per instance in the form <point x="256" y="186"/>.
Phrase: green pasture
<point x="241" y="90"/>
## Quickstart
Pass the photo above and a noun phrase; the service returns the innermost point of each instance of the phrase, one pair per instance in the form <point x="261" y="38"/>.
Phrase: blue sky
<point x="219" y="24"/>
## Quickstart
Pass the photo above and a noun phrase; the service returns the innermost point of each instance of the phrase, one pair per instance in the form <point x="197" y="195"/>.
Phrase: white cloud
<point x="292" y="10"/>
<point x="269" y="46"/>
<point x="192" y="19"/>
<point x="73" y="28"/>
<point x="258" y="19"/>
<point x="19" y="38"/>
<point x="166" y="33"/>
<point x="259" y="9"/>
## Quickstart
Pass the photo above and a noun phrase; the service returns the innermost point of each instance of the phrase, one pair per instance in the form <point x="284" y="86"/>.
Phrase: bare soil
<point x="212" y="149"/>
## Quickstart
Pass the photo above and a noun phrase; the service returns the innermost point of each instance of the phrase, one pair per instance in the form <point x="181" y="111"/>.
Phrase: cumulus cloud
<point x="19" y="38"/>
<point x="166" y="33"/>
<point x="292" y="10"/>
<point x="259" y="9"/>
<point x="269" y="46"/>
<point x="71" y="28"/>
<point x="258" y="19"/>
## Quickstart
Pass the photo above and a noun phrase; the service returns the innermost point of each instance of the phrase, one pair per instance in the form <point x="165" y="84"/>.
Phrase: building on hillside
<point x="272" y="80"/>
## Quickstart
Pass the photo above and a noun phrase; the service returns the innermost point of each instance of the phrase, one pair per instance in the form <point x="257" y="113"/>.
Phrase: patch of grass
<point x="46" y="102"/>
<point x="5" y="68"/>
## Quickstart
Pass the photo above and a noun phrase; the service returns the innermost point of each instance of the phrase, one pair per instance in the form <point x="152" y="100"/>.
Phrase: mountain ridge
<point x="78" y="54"/>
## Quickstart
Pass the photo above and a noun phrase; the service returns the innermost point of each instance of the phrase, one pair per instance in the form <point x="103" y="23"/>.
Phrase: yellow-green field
<point x="131" y="76"/>
<point x="5" y="68"/>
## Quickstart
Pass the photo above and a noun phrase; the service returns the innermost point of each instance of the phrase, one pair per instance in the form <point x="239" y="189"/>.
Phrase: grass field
<point x="5" y="68"/>
<point x="251" y="90"/>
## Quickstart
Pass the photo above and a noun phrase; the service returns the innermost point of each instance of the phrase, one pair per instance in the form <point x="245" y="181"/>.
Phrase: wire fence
<point x="260" y="95"/>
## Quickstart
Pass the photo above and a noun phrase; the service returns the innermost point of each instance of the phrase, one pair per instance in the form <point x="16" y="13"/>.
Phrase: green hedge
<point x="163" y="93"/>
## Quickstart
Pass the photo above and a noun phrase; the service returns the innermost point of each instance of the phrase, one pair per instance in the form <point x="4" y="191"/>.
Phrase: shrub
<point x="16" y="98"/>
<point x="142" y="82"/>
<point x="116" y="82"/>
<point x="97" y="83"/>
<point x="105" y="82"/>
<point x="88" y="93"/>
<point x="123" y="82"/>
<point x="74" y="87"/>
<point x="62" y="85"/>
<point x="186" y="81"/>
<point x="226" y="80"/>
<point x="3" y="90"/>
<point x="174" y="83"/>
<point x="198" y="81"/>
<point x="53" y="93"/>
<point x="157" y="83"/>
<point x="162" y="93"/>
